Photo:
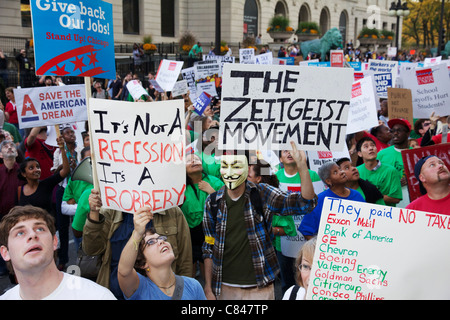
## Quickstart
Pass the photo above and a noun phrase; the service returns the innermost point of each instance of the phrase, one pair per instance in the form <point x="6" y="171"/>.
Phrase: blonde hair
<point x="307" y="252"/>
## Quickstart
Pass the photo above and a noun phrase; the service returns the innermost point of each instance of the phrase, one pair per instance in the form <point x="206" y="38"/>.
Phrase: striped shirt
<point x="264" y="257"/>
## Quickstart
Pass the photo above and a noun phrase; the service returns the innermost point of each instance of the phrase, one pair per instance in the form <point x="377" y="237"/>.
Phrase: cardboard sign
<point x="136" y="151"/>
<point x="168" y="73"/>
<point x="410" y="158"/>
<point x="430" y="90"/>
<point x="363" y="106"/>
<point x="385" y="75"/>
<point x="400" y="104"/>
<point x="73" y="38"/>
<point x="370" y="252"/>
<point x="46" y="106"/>
<point x="265" y="107"/>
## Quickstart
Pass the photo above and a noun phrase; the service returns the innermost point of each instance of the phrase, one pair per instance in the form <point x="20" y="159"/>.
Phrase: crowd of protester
<point x="150" y="255"/>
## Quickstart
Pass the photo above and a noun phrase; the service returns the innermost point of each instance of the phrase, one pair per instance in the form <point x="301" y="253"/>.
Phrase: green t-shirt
<point x="237" y="266"/>
<point x="386" y="178"/>
<point x="210" y="165"/>
<point x="293" y="183"/>
<point x="82" y="210"/>
<point x="194" y="203"/>
<point x="392" y="156"/>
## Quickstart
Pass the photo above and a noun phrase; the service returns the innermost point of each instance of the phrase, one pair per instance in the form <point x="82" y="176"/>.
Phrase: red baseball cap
<point x="402" y="121"/>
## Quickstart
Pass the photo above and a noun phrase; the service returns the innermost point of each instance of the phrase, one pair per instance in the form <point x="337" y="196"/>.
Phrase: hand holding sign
<point x="141" y="219"/>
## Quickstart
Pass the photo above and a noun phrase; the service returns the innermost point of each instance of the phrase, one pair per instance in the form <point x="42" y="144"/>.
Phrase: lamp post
<point x="441" y="39"/>
<point x="399" y="10"/>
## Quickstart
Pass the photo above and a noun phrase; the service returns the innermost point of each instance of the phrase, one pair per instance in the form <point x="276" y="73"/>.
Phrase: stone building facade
<point x="166" y="20"/>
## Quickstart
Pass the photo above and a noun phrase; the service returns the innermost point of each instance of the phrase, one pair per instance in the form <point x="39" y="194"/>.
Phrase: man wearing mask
<point x="240" y="260"/>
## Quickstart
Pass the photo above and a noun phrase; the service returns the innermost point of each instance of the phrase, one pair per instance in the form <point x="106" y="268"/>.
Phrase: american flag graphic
<point x="82" y="60"/>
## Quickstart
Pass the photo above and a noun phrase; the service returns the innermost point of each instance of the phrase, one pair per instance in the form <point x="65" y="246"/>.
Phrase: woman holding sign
<point x="335" y="179"/>
<point x="36" y="192"/>
<point x="145" y="271"/>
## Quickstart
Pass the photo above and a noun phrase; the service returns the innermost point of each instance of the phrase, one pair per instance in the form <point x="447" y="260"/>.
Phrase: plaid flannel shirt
<point x="264" y="257"/>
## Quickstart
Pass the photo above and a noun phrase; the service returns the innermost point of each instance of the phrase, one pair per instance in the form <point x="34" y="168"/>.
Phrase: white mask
<point x="234" y="170"/>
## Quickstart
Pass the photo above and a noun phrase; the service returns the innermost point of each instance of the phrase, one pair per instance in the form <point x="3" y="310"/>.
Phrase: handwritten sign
<point x="363" y="106"/>
<point x="46" y="106"/>
<point x="73" y="38"/>
<point x="246" y="55"/>
<point x="372" y="252"/>
<point x="136" y="151"/>
<point x="400" y="104"/>
<point x="265" y="107"/>
<point x="410" y="158"/>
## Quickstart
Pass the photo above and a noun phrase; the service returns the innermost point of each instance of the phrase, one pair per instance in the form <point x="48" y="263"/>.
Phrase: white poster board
<point x="363" y="106"/>
<point x="371" y="252"/>
<point x="430" y="90"/>
<point x="266" y="107"/>
<point x="136" y="90"/>
<point x="136" y="151"/>
<point x="385" y="73"/>
<point x="247" y="56"/>
<point x="168" y="73"/>
<point x="46" y="106"/>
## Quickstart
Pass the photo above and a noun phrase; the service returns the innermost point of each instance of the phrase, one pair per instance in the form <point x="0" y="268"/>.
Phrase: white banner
<point x="266" y="107"/>
<point x="46" y="106"/>
<point x="385" y="74"/>
<point x="371" y="252"/>
<point x="136" y="152"/>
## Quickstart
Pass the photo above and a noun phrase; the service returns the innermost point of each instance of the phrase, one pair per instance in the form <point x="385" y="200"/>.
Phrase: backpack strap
<point x="179" y="287"/>
<point x="293" y="295"/>
<point x="213" y="204"/>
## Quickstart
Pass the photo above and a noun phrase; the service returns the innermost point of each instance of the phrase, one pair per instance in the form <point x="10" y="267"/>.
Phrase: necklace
<point x="167" y="288"/>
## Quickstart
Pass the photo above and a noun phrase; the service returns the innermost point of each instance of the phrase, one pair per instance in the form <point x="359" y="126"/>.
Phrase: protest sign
<point x="400" y="104"/>
<point x="246" y="56"/>
<point x="318" y="158"/>
<point x="180" y="88"/>
<point x="371" y="252"/>
<point x="207" y="70"/>
<point x="363" y="106"/>
<point x="410" y="158"/>
<point x="136" y="151"/>
<point x="188" y="74"/>
<point x="54" y="105"/>
<point x="265" y="107"/>
<point x="156" y="86"/>
<point x="385" y="74"/>
<point x="136" y="90"/>
<point x="337" y="58"/>
<point x="430" y="90"/>
<point x="264" y="58"/>
<point x="73" y="38"/>
<point x="168" y="73"/>
<point x="202" y="102"/>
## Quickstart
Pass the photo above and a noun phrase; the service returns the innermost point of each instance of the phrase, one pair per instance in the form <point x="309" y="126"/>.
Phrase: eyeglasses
<point x="304" y="268"/>
<point x="152" y="241"/>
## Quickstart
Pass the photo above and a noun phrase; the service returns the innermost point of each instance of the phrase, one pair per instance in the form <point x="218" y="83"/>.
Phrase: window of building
<point x="168" y="18"/>
<point x="25" y="13"/>
<point x="250" y="19"/>
<point x="130" y="15"/>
